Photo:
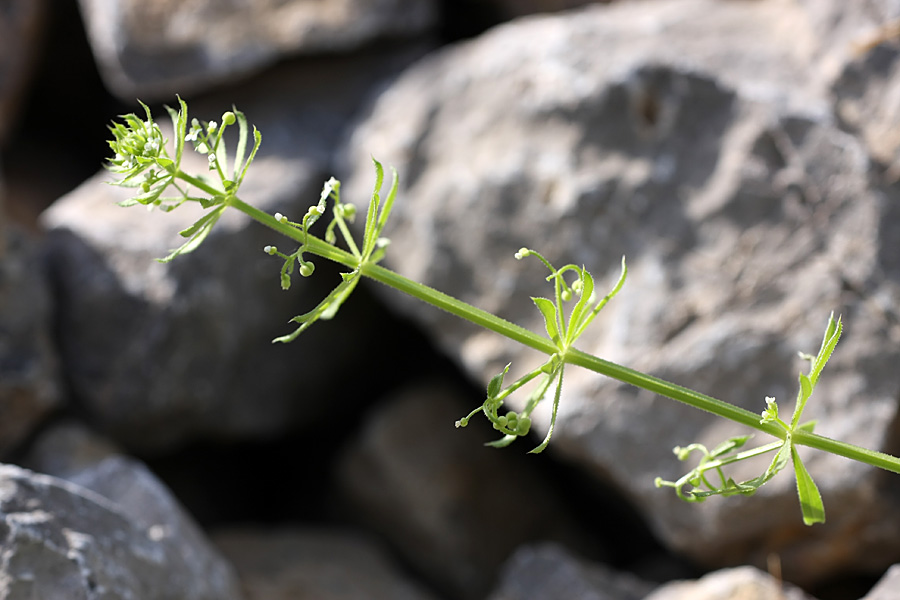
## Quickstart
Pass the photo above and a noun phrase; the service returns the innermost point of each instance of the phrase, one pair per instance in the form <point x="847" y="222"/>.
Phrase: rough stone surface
<point x="863" y="95"/>
<point x="155" y="50"/>
<point x="888" y="587"/>
<point x="326" y="565"/>
<point x="160" y="353"/>
<point x="29" y="370"/>
<point x="59" y="540"/>
<point x="441" y="499"/>
<point x="696" y="145"/>
<point x="70" y="452"/>
<point x="21" y="29"/>
<point x="551" y="571"/>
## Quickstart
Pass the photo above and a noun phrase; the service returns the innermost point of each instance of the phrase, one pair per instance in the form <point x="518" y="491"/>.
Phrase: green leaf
<point x="829" y="341"/>
<point x="197" y="233"/>
<point x="540" y="447"/>
<point x="385" y="212"/>
<point x="548" y="310"/>
<point x="370" y="233"/>
<point x="179" y="124"/>
<point x="241" y="149"/>
<point x="503" y="442"/>
<point x="495" y="386"/>
<point x="257" y="140"/>
<point x="326" y="309"/>
<point x="729" y="445"/>
<point x="810" y="499"/>
<point x="580" y="312"/>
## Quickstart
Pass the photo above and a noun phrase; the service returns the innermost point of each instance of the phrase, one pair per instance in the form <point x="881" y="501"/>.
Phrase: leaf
<point x="257" y="140"/>
<point x="729" y="445"/>
<point x="326" y="309"/>
<point x="829" y="341"/>
<point x="197" y="233"/>
<point x="179" y="124"/>
<point x="385" y="211"/>
<point x="540" y="447"/>
<point x="503" y="442"/>
<point x="241" y="149"/>
<point x="577" y="317"/>
<point x="495" y="386"/>
<point x="370" y="234"/>
<point x="810" y="499"/>
<point x="548" y="310"/>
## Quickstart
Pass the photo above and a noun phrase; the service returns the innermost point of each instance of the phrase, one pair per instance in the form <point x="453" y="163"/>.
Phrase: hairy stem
<point x="572" y="356"/>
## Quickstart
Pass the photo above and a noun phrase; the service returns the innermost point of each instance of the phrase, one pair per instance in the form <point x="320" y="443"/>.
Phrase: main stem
<point x="575" y="357"/>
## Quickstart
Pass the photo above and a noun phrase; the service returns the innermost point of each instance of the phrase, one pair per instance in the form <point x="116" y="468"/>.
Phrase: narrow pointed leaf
<point x="495" y="386"/>
<point x="810" y="499"/>
<point x="577" y="320"/>
<point x="241" y="149"/>
<point x="548" y="310"/>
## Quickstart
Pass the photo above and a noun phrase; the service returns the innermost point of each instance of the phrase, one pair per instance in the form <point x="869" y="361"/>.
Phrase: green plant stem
<point x="575" y="357"/>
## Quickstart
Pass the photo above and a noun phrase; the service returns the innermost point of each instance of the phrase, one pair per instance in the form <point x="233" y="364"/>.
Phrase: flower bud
<point x="270" y="250"/>
<point x="523" y="426"/>
<point x="228" y="118"/>
<point x="306" y="269"/>
<point x="522" y="253"/>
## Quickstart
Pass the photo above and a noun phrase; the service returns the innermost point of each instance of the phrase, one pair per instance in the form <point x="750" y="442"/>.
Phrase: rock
<point x="695" y="145"/>
<point x="326" y="565"/>
<point x="858" y="59"/>
<point x="888" y="587"/>
<point x="155" y="51"/>
<point x="551" y="571"/>
<point x="861" y="103"/>
<point x="70" y="452"/>
<point x="511" y="9"/>
<point x="741" y="583"/>
<point x="59" y="540"/>
<point x="162" y="353"/>
<point x="453" y="511"/>
<point x="29" y="368"/>
<point x="21" y="29"/>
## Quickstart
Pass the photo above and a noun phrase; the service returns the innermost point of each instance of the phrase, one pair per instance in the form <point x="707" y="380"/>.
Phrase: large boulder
<point x="696" y="139"/>
<point x="155" y="50"/>
<point x="29" y="369"/>
<point x="59" y="540"/>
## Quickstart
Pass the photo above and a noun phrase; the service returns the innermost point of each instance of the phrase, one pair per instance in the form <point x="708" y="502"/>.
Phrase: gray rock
<point x="861" y="102"/>
<point x="326" y="565"/>
<point x="511" y="9"/>
<point x="551" y="571"/>
<point x="160" y="353"/>
<point x="740" y="583"/>
<point x="21" y="32"/>
<point x="29" y="368"/>
<point x="888" y="587"/>
<point x="72" y="453"/>
<point x="58" y="540"/>
<point x="452" y="510"/>
<point x="695" y="145"/>
<point x="162" y="48"/>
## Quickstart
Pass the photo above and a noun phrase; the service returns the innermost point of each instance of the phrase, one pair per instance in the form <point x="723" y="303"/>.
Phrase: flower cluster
<point x="139" y="148"/>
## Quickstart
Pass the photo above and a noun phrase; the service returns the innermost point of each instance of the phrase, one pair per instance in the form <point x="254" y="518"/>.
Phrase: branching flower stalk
<point x="143" y="161"/>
